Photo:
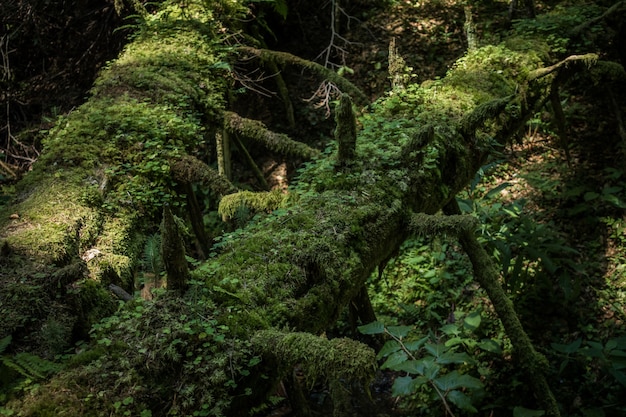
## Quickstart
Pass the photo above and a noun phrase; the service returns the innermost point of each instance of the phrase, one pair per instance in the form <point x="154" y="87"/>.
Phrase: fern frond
<point x="152" y="254"/>
<point x="412" y="311"/>
<point x="5" y="342"/>
<point x="31" y="366"/>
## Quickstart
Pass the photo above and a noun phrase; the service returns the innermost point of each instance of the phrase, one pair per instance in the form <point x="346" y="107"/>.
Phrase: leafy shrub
<point x="438" y="366"/>
<point x="557" y="27"/>
<point x="594" y="367"/>
<point x="530" y="253"/>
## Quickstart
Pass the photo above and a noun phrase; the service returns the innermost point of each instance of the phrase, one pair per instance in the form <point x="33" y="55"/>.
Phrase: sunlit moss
<point x="255" y="201"/>
<point x="319" y="359"/>
<point x="48" y="224"/>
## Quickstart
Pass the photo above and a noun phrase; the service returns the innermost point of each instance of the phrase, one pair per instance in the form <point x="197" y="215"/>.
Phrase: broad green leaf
<point x="594" y="350"/>
<point x="620" y="376"/>
<point x="612" y="190"/>
<point x="472" y="321"/>
<point x="411" y="366"/>
<point x="454" y="380"/>
<point x="615" y="200"/>
<point x="613" y="173"/>
<point x="490" y="345"/>
<point x="405" y="385"/>
<point x="465" y="205"/>
<point x="590" y="195"/>
<point x="431" y="370"/>
<point x="454" y="357"/>
<point x="618" y="359"/>
<point x="280" y="6"/>
<point x="415" y="345"/>
<point x="394" y="360"/>
<point x="455" y="341"/>
<point x="375" y="327"/>
<point x="525" y="412"/>
<point x="450" y="329"/>
<point x="389" y="347"/>
<point x="496" y="190"/>
<point x="462" y="401"/>
<point x="569" y="348"/>
<point x="427" y="366"/>
<point x="610" y="345"/>
<point x="621" y="342"/>
<point x="435" y="349"/>
<point x="399" y="331"/>
<point x="418" y="367"/>
<point x="574" y="192"/>
<point x="402" y="386"/>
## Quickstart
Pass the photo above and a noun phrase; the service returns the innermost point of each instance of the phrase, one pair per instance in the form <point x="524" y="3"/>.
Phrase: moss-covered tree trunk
<point x="256" y="309"/>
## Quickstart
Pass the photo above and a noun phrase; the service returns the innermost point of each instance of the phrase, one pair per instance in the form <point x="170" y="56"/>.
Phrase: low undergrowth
<point x="558" y="240"/>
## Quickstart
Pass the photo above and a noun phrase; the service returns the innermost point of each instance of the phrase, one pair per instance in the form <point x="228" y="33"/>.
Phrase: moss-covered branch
<point x="424" y="224"/>
<point x="587" y="59"/>
<point x="345" y="132"/>
<point x="318" y="358"/>
<point x="257" y="202"/>
<point x="277" y="142"/>
<point x="485" y="273"/>
<point x="285" y="58"/>
<point x="190" y="169"/>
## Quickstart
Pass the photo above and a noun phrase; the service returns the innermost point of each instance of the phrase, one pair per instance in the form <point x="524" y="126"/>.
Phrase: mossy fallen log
<point x="283" y="279"/>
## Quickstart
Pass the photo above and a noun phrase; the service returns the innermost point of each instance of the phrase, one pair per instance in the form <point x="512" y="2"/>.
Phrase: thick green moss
<point x="318" y="358"/>
<point x="254" y="201"/>
<point x="105" y="173"/>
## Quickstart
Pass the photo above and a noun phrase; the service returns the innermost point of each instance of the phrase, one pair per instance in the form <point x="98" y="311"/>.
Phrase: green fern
<point x="151" y="260"/>
<point x="413" y="313"/>
<point x="31" y="366"/>
<point x="4" y="343"/>
<point x="280" y="6"/>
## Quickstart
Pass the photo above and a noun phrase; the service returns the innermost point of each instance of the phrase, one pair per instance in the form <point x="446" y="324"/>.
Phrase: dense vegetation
<point x="157" y="177"/>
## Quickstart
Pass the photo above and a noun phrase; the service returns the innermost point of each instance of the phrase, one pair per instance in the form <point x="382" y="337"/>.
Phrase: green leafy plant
<point x="31" y="366"/>
<point x="597" y="369"/>
<point x="192" y="332"/>
<point x="530" y="252"/>
<point x="609" y="356"/>
<point x="279" y="6"/>
<point x="21" y="371"/>
<point x="436" y="364"/>
<point x="423" y="283"/>
<point x="557" y="27"/>
<point x="151" y="260"/>
<point x="586" y="199"/>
